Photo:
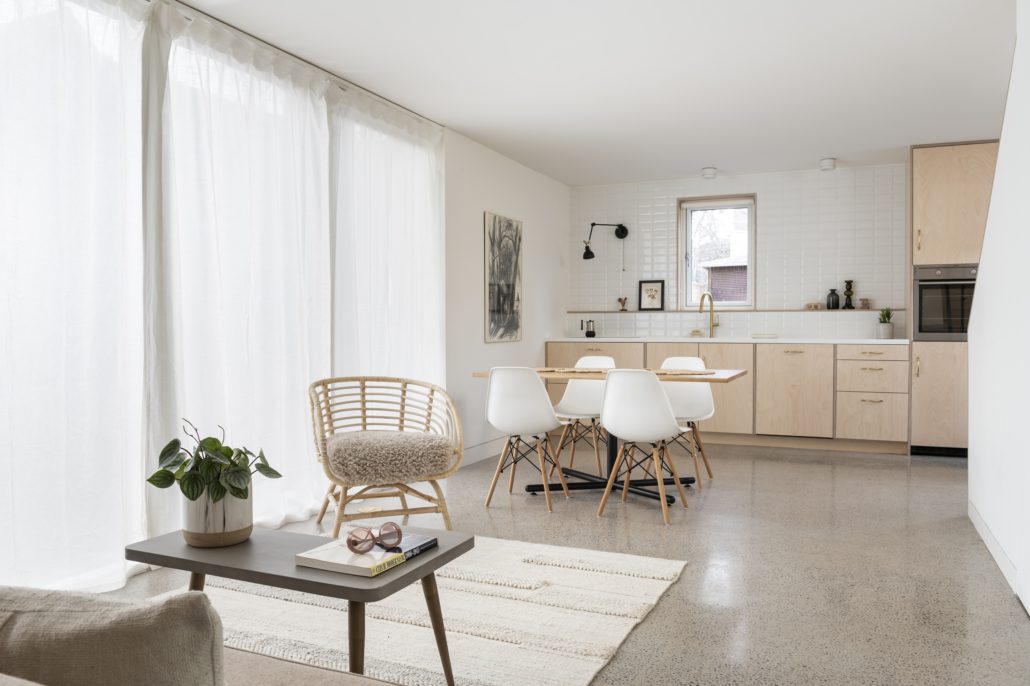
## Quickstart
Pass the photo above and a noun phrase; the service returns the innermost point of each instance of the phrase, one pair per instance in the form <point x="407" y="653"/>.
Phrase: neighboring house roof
<point x="724" y="262"/>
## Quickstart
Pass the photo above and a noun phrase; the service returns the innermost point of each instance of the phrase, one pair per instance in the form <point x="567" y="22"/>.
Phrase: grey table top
<point x="267" y="558"/>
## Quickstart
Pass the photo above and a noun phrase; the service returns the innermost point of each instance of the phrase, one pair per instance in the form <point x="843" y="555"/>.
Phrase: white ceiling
<point x="597" y="91"/>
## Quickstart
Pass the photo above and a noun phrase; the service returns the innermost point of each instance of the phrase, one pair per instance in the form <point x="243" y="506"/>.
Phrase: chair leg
<point x="441" y="502"/>
<point x="661" y="483"/>
<point x="572" y="449"/>
<point x="675" y="474"/>
<point x="626" y="478"/>
<point x="561" y="475"/>
<point x="340" y="505"/>
<point x="611" y="479"/>
<point x="561" y="444"/>
<point x="511" y="475"/>
<point x="597" y="452"/>
<point x="325" y="502"/>
<point x="497" y="473"/>
<point x="697" y="462"/>
<point x="404" y="505"/>
<point x="701" y="446"/>
<point x="543" y="474"/>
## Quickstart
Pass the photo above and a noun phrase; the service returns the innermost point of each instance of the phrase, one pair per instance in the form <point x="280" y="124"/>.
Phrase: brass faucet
<point x="712" y="321"/>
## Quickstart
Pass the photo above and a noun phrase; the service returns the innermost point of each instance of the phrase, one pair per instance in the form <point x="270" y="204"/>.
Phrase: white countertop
<point x="689" y="339"/>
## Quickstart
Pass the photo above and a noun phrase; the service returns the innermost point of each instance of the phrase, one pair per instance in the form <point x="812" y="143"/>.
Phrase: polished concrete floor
<point x="804" y="568"/>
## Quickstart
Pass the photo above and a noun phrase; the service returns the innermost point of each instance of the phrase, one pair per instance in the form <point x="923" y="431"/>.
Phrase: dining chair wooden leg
<point x="572" y="448"/>
<point x="561" y="475"/>
<point x="611" y="479"/>
<point x="697" y="462"/>
<point x="511" y="475"/>
<point x="626" y="477"/>
<point x="701" y="447"/>
<point x="675" y="474"/>
<point x="597" y="451"/>
<point x="660" y="480"/>
<point x="543" y="474"/>
<point x="497" y="472"/>
<point x="561" y="444"/>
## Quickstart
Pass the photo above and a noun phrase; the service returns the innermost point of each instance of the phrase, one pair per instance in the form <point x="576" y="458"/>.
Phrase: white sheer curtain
<point x="244" y="257"/>
<point x="389" y="241"/>
<point x="71" y="384"/>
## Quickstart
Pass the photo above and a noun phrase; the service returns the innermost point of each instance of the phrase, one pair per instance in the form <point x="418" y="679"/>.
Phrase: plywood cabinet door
<point x="939" y="394"/>
<point x="734" y="401"/>
<point x="657" y="353"/>
<point x="951" y="190"/>
<point x="794" y="390"/>
<point x="565" y="354"/>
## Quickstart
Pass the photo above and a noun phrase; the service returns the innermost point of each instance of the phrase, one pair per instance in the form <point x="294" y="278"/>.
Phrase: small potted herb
<point x="886" y="326"/>
<point x="216" y="480"/>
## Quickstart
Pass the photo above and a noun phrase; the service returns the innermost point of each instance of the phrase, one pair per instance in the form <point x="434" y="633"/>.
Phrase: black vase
<point x="832" y="300"/>
<point x="849" y="290"/>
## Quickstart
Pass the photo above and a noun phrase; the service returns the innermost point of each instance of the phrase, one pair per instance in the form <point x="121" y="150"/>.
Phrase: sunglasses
<point x="362" y="539"/>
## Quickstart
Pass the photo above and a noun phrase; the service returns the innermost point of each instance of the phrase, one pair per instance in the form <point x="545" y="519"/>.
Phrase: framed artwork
<point x="652" y="295"/>
<point x="502" y="244"/>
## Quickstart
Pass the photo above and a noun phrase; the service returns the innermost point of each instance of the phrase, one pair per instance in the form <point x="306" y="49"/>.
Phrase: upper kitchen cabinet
<point x="951" y="190"/>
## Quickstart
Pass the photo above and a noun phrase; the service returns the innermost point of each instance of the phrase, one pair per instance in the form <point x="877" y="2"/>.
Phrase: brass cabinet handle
<point x="866" y="400"/>
<point x="871" y="352"/>
<point x="918" y="365"/>
<point x="919" y="239"/>
<point x="872" y="369"/>
<point x="793" y="352"/>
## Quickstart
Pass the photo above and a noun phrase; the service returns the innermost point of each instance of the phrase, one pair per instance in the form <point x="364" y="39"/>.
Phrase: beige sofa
<point x="58" y="638"/>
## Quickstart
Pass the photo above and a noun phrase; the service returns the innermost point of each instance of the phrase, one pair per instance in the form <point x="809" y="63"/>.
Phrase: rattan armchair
<point x="373" y="404"/>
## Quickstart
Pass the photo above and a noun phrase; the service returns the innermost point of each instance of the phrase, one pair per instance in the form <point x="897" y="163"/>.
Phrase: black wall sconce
<point x="620" y="232"/>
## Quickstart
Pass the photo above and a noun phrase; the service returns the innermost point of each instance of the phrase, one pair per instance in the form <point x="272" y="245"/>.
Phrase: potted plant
<point x="886" y="327"/>
<point x="216" y="479"/>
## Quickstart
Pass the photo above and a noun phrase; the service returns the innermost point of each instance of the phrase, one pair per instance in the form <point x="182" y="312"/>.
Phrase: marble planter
<point x="206" y="524"/>
<point x="885" y="330"/>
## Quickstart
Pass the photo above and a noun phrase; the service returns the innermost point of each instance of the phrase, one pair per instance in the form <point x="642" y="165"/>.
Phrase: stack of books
<point x="335" y="556"/>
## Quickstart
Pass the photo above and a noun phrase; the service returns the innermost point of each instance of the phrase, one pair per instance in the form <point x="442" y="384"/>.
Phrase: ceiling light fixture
<point x="828" y="163"/>
<point x="708" y="173"/>
<point x="620" y="232"/>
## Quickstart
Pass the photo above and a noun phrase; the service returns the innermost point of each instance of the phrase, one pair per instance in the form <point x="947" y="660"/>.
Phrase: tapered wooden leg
<point x="340" y="505"/>
<point x="196" y="581"/>
<point x="436" y="618"/>
<point x="441" y="502"/>
<point x="628" y="475"/>
<point x="701" y="446"/>
<point x="497" y="472"/>
<point x="597" y="452"/>
<point x="543" y="474"/>
<point x="511" y="475"/>
<point x="356" y="636"/>
<point x="675" y="474"/>
<point x="572" y="448"/>
<point x="697" y="462"/>
<point x="561" y="444"/>
<point x="660" y="480"/>
<point x="325" y="503"/>
<point x="561" y="476"/>
<point x="611" y="479"/>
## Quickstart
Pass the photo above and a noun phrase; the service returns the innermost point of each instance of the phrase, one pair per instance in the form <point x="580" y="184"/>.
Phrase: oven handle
<point x="961" y="282"/>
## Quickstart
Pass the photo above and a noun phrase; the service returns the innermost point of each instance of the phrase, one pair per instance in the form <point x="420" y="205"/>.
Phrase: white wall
<point x="999" y="332"/>
<point x="814" y="230"/>
<point x="479" y="179"/>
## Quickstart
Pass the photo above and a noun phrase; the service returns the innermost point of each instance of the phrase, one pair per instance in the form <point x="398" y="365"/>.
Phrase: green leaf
<point x="210" y="443"/>
<point x="183" y="468"/>
<point x="209" y="469"/>
<point x="192" y="485"/>
<point x="170" y="456"/>
<point x="227" y="451"/>
<point x="267" y="471"/>
<point x="217" y="456"/>
<point x="262" y="459"/>
<point x="162" y="478"/>
<point x="240" y="493"/>
<point x="216" y="491"/>
<point x="237" y="477"/>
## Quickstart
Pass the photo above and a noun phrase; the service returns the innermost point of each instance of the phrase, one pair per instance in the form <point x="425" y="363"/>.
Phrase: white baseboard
<point x="1008" y="569"/>
<point x="483" y="451"/>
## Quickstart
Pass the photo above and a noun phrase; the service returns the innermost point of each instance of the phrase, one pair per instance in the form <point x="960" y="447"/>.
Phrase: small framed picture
<point x="652" y="295"/>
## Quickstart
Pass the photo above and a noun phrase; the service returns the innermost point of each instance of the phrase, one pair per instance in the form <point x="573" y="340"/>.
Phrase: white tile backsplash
<point x="814" y="230"/>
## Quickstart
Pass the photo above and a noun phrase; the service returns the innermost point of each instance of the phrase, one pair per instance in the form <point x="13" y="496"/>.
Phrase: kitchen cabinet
<point x="939" y="394"/>
<point x="877" y="377"/>
<point x="734" y="402"/>
<point x="657" y="353"/>
<point x="872" y="416"/>
<point x="566" y="353"/>
<point x="794" y="390"/>
<point x="951" y="190"/>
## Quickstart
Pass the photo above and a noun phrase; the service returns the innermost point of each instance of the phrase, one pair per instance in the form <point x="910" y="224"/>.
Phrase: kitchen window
<point x="717" y="247"/>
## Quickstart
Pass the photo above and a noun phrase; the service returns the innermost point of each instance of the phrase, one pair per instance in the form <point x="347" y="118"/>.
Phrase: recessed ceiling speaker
<point x="708" y="173"/>
<point x="828" y="163"/>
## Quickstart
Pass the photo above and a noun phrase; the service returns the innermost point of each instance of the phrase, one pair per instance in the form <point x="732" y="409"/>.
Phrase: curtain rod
<point x="340" y="81"/>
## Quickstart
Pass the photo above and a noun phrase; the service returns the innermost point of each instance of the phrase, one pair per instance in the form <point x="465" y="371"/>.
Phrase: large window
<point x="717" y="240"/>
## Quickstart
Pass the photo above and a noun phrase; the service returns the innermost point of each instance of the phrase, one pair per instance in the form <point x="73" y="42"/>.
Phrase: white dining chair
<point x="580" y="410"/>
<point x="692" y="403"/>
<point x="637" y="410"/>
<point x="517" y="404"/>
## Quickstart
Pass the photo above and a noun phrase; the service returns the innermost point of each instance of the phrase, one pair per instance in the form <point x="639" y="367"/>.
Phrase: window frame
<point x="683" y="245"/>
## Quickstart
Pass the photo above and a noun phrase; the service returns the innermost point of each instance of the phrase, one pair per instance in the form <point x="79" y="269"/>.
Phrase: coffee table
<point x="267" y="558"/>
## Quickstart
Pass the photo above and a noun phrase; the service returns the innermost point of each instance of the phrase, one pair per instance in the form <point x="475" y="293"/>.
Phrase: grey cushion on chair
<point x="388" y="457"/>
<point x="59" y="638"/>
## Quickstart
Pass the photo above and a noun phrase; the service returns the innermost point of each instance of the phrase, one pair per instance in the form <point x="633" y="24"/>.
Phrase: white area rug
<point x="515" y="613"/>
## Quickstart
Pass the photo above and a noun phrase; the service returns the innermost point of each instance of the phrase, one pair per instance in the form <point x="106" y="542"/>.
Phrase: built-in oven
<point x="942" y="302"/>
